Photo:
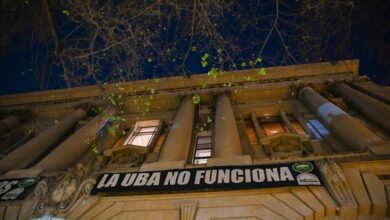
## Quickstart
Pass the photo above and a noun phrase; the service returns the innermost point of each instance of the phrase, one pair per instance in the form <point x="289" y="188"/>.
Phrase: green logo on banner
<point x="302" y="167"/>
<point x="28" y="182"/>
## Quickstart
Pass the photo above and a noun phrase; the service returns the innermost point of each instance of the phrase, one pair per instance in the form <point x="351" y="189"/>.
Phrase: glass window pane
<point x="203" y="146"/>
<point x="204" y="140"/>
<point x="273" y="128"/>
<point x="147" y="129"/>
<point x="200" y="161"/>
<point x="316" y="134"/>
<point x="203" y="153"/>
<point x="320" y="128"/>
<point x="142" y="140"/>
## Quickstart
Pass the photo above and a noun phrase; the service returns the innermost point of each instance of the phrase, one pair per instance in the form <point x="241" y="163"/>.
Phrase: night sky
<point x="17" y="68"/>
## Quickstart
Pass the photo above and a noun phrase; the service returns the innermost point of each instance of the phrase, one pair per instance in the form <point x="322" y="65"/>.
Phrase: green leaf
<point x="196" y="99"/>
<point x="204" y="63"/>
<point x="262" y="71"/>
<point x="251" y="63"/>
<point x="95" y="150"/>
<point x="193" y="49"/>
<point x="205" y="56"/>
<point x="150" y="60"/>
<point x="66" y="12"/>
<point x="113" y="101"/>
<point x="258" y="60"/>
<point x="209" y="120"/>
<point x="112" y="131"/>
<point x="243" y="64"/>
<point x="219" y="50"/>
<point x="213" y="72"/>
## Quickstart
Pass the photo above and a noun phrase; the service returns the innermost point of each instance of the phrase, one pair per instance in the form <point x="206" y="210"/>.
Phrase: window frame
<point x="278" y="121"/>
<point x="204" y="146"/>
<point x="137" y="132"/>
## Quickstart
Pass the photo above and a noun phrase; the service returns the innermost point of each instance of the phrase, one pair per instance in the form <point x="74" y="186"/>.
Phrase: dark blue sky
<point x="19" y="73"/>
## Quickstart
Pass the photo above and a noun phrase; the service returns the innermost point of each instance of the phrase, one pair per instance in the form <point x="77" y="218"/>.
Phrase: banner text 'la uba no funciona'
<point x="226" y="177"/>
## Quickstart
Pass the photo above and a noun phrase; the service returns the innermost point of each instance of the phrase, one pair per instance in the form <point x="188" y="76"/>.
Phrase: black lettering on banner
<point x="216" y="178"/>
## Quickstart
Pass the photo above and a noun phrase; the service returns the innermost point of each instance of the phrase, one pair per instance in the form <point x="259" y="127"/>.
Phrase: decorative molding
<point x="337" y="184"/>
<point x="127" y="156"/>
<point x="57" y="195"/>
<point x="188" y="210"/>
<point x="284" y="144"/>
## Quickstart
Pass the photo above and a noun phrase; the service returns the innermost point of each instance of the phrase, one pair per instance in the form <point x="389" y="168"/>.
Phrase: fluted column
<point x="74" y="147"/>
<point x="8" y="124"/>
<point x="27" y="154"/>
<point x="376" y="111"/>
<point x="346" y="128"/>
<point x="177" y="143"/>
<point x="227" y="141"/>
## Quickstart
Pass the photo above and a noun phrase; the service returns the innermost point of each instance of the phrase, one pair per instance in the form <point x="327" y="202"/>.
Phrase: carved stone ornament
<point x="122" y="156"/>
<point x="58" y="194"/>
<point x="284" y="144"/>
<point x="336" y="182"/>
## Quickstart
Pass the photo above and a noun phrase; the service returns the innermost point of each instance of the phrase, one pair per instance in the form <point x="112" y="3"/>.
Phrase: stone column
<point x="227" y="140"/>
<point x="10" y="138"/>
<point x="27" y="154"/>
<point x="177" y="143"/>
<point x="346" y="128"/>
<point x="74" y="147"/>
<point x="8" y="124"/>
<point x="375" y="110"/>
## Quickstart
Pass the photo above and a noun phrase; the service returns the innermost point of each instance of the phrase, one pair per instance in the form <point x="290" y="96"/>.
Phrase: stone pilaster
<point x="227" y="145"/>
<point x="10" y="138"/>
<point x="346" y="128"/>
<point x="9" y="123"/>
<point x="30" y="152"/>
<point x="177" y="143"/>
<point x="227" y="141"/>
<point x="376" y="111"/>
<point x="74" y="147"/>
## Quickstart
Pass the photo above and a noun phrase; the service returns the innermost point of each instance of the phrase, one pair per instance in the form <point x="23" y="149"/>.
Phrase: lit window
<point x="143" y="133"/>
<point x="202" y="149"/>
<point x="273" y="128"/>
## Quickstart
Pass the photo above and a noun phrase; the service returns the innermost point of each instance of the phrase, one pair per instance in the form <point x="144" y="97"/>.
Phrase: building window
<point x="202" y="149"/>
<point x="273" y="128"/>
<point x="143" y="134"/>
<point x="298" y="127"/>
<point x="274" y="125"/>
<point x="317" y="128"/>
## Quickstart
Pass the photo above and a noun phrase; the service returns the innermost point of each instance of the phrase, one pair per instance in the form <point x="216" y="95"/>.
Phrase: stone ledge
<point x="226" y="161"/>
<point x="162" y="165"/>
<point x="15" y="174"/>
<point x="380" y="149"/>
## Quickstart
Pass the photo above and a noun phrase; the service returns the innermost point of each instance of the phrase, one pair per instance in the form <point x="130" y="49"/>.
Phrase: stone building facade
<point x="299" y="142"/>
